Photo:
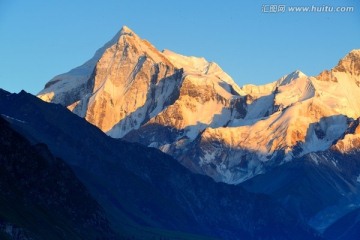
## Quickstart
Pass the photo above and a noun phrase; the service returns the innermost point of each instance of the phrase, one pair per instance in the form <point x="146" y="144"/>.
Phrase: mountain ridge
<point x="295" y="138"/>
<point x="191" y="109"/>
<point x="145" y="193"/>
<point x="41" y="197"/>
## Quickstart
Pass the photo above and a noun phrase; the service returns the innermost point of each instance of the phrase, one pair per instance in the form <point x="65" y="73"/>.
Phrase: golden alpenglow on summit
<point x="228" y="120"/>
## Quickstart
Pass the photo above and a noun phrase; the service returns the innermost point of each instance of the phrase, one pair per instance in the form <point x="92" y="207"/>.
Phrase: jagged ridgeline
<point x="295" y="139"/>
<point x="140" y="192"/>
<point x="191" y="109"/>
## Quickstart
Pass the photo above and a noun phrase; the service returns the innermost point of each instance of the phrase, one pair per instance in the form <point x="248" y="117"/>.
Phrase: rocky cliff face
<point x="192" y="110"/>
<point x="130" y="83"/>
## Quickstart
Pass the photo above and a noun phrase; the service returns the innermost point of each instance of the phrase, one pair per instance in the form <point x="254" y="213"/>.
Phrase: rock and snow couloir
<point x="191" y="109"/>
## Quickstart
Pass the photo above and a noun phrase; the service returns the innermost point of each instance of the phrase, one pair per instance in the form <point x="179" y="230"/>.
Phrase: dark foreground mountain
<point x="144" y="192"/>
<point x="346" y="228"/>
<point x="318" y="188"/>
<point x="40" y="196"/>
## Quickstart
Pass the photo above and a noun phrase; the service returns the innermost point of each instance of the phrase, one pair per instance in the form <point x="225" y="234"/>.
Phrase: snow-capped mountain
<point x="127" y="82"/>
<point x="191" y="109"/>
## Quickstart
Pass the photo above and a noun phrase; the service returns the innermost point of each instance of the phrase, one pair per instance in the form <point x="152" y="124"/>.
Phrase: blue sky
<point x="40" y="39"/>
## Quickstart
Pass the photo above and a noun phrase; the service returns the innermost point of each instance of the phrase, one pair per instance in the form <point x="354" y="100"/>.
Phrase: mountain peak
<point x="290" y="77"/>
<point x="355" y="52"/>
<point x="126" y="31"/>
<point x="350" y="63"/>
<point x="188" y="63"/>
<point x="299" y="73"/>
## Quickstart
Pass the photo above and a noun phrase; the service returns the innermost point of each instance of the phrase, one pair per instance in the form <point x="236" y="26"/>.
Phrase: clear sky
<point x="40" y="39"/>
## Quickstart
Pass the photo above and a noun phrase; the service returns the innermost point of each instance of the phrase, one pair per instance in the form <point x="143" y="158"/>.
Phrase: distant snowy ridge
<point x="191" y="109"/>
